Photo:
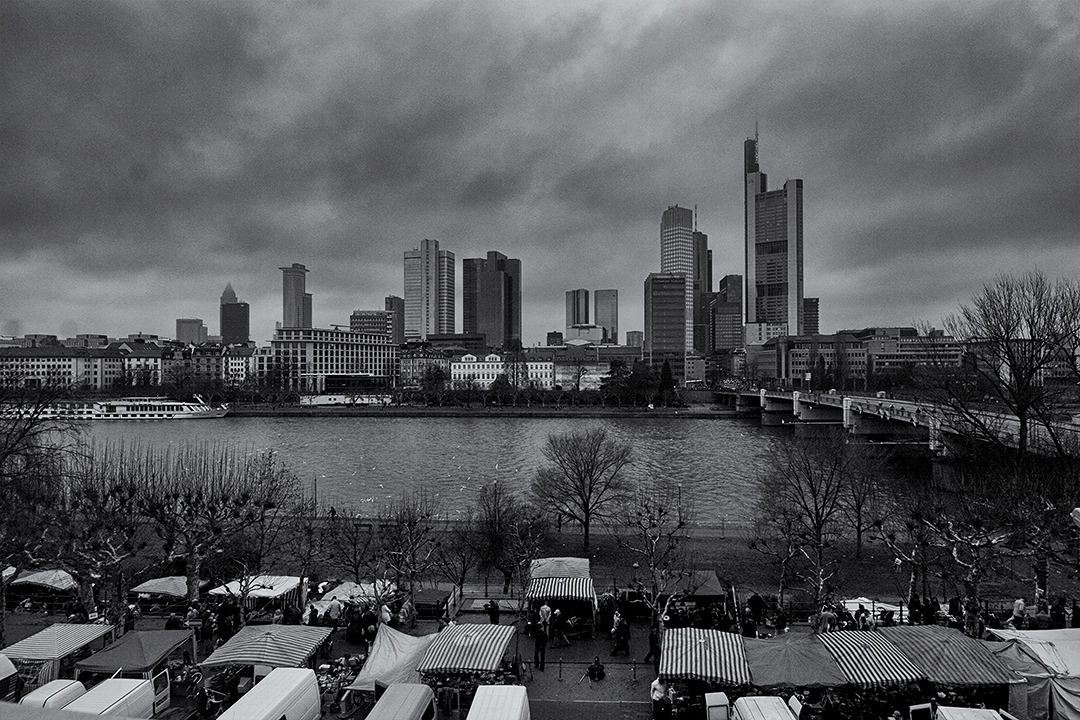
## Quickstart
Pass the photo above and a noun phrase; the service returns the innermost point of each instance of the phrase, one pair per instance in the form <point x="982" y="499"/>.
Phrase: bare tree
<point x="352" y="544"/>
<point x="101" y="529"/>
<point x="776" y="532"/>
<point x="409" y="535"/>
<point x="653" y="526"/>
<point x="33" y="445"/>
<point x="805" y="484"/>
<point x="584" y="479"/>
<point x="1019" y="331"/>
<point x="861" y="502"/>
<point x="200" y="497"/>
<point x="492" y="523"/>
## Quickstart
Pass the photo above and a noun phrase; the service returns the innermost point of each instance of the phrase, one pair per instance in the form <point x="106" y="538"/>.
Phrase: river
<point x="359" y="463"/>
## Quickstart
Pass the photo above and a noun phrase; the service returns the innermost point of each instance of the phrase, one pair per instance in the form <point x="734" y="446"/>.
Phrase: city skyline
<point x="155" y="153"/>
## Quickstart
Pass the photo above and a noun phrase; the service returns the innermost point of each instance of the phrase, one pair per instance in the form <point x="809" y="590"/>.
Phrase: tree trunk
<point x="585" y="534"/>
<point x="194" y="568"/>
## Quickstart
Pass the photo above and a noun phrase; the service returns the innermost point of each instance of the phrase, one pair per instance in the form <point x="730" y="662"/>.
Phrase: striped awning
<point x="869" y="660"/>
<point x="467" y="647"/>
<point x="949" y="657"/>
<point x="272" y="645"/>
<point x="57" y="641"/>
<point x="561" y="588"/>
<point x="709" y="655"/>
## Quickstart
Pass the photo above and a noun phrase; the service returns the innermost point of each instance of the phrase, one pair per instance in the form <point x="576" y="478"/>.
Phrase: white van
<point x="125" y="697"/>
<point x="53" y="694"/>
<point x="8" y="679"/>
<point x="284" y="694"/>
<point x="405" y="701"/>
<point x="761" y="708"/>
<point x="500" y="702"/>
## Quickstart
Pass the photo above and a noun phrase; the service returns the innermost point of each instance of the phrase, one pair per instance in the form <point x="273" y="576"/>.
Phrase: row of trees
<point x="998" y="502"/>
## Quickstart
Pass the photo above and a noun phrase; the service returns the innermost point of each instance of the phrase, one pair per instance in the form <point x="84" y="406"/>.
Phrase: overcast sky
<point x="154" y="151"/>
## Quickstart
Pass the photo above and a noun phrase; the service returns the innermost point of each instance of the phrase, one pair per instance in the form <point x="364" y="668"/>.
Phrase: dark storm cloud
<point x="162" y="149"/>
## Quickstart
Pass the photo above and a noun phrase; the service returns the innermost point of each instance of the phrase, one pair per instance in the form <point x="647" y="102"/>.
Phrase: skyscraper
<point x="429" y="291"/>
<point x="677" y="258"/>
<point x="606" y="313"/>
<point x="577" y="307"/>
<point x="774" y="247"/>
<point x="396" y="306"/>
<point x="665" y="317"/>
<point x="234" y="319"/>
<point x="295" y="301"/>
<point x="491" y="299"/>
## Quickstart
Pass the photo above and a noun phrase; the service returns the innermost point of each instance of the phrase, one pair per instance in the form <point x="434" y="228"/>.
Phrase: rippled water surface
<point x="361" y="462"/>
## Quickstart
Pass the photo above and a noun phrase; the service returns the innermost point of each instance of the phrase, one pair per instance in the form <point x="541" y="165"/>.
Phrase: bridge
<point x="897" y="421"/>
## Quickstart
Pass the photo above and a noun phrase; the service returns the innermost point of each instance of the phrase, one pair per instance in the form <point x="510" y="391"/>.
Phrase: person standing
<point x="493" y="611"/>
<point x="333" y="612"/>
<point x="1018" y="613"/>
<point x="540" y="640"/>
<point x="661" y="703"/>
<point x="545" y="617"/>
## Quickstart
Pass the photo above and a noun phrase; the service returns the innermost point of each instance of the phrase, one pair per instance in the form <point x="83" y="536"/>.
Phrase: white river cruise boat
<point x="139" y="408"/>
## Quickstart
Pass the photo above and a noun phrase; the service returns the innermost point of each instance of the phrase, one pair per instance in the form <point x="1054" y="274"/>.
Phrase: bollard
<point x="633" y="670"/>
<point x="560" y="669"/>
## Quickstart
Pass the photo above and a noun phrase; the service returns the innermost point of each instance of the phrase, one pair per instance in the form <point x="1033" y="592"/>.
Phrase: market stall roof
<point x="869" y="660"/>
<point x="560" y="578"/>
<point x="709" y="655"/>
<point x="949" y="657"/>
<point x="260" y="586"/>
<point x="272" y="645"/>
<point x="57" y="641"/>
<point x="394" y="658"/>
<point x="702" y="583"/>
<point x="792" y="661"/>
<point x="874" y="606"/>
<point x="136" y="651"/>
<point x="467" y="647"/>
<point x="172" y="586"/>
<point x="1058" y="650"/>
<point x="52" y="579"/>
<point x="561" y="567"/>
<point x="963" y="713"/>
<point x="350" y="591"/>
<point x="7" y="668"/>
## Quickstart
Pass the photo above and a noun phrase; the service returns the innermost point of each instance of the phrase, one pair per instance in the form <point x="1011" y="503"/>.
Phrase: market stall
<point x="566" y="583"/>
<point x="46" y="590"/>
<point x="353" y="593"/>
<point x="266" y="591"/>
<point x="868" y="660"/>
<point x="792" y="661"/>
<point x="1055" y="691"/>
<point x="270" y="646"/>
<point x="463" y="657"/>
<point x="144" y="654"/>
<point x="53" y="652"/>
<point x="394" y="658"/>
<point x="948" y="657"/>
<point x="162" y="595"/>
<point x="710" y="656"/>
<point x="878" y="610"/>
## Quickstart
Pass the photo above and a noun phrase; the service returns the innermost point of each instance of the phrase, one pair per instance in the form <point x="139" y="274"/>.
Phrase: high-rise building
<point x="372" y="322"/>
<point x="234" y="319"/>
<point x="295" y="300"/>
<point x="726" y="315"/>
<point x="606" y="313"/>
<point x="190" y="331"/>
<point x="396" y="306"/>
<point x="491" y="299"/>
<point x="429" y="291"/>
<point x="702" y="291"/>
<point x="577" y="307"/>
<point x="811" y="316"/>
<point x="774" y="247"/>
<point x="665" y="317"/>
<point x="677" y="258"/>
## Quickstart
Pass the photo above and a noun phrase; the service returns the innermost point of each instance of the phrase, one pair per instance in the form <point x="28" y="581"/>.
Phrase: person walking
<point x="558" y="629"/>
<point x="661" y="702"/>
<point x="540" y="640"/>
<point x="654" y="649"/>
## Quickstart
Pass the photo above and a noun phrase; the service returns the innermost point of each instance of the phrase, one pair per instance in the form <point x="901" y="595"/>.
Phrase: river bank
<point x="690" y="412"/>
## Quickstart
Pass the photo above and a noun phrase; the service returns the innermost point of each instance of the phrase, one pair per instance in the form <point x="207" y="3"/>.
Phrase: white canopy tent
<point x="1050" y="662"/>
<point x="394" y="658"/>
